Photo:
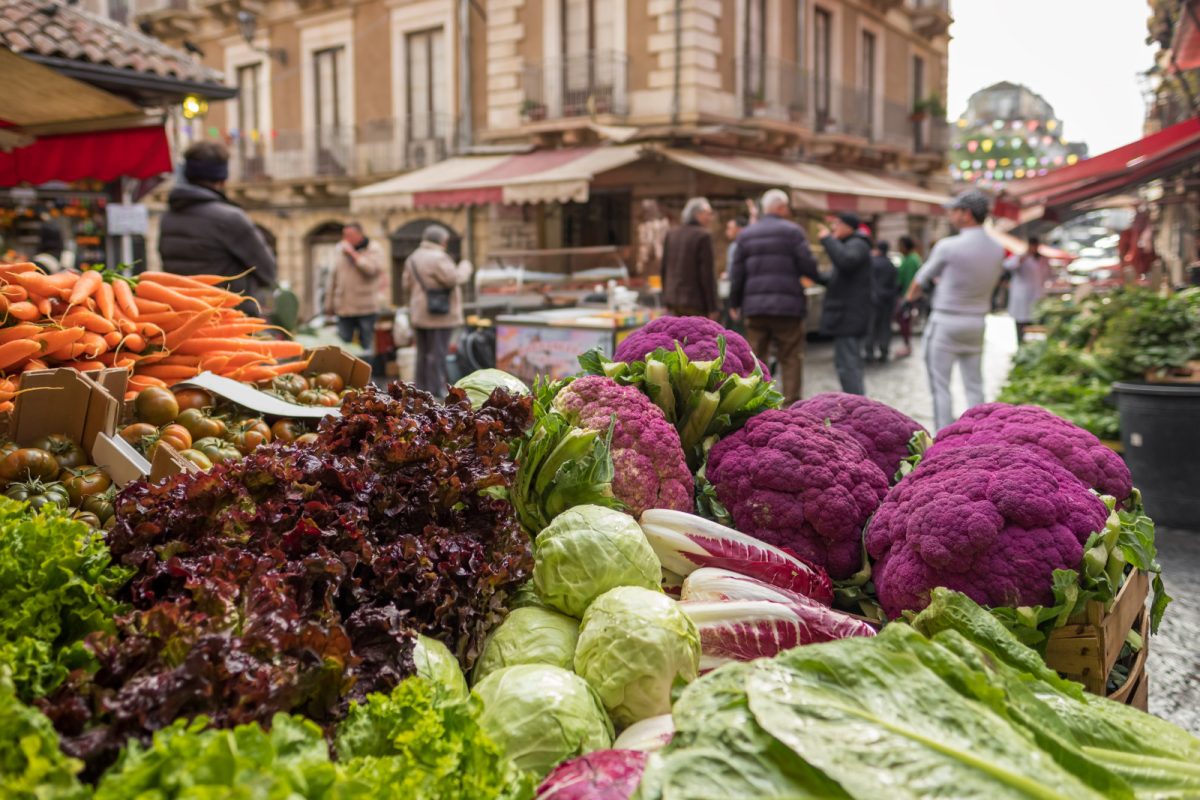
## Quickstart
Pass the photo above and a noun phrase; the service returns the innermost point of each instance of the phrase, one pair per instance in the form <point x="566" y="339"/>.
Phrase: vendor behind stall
<point x="689" y="276"/>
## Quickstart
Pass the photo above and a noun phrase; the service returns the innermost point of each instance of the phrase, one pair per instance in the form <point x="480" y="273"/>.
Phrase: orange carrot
<point x="175" y="281"/>
<point x="150" y="331"/>
<point x="278" y="349"/>
<point x="180" y="361"/>
<point x="55" y="339"/>
<point x="83" y="366"/>
<point x="13" y="353"/>
<point x="113" y="338"/>
<point x="41" y="284"/>
<point x="130" y="396"/>
<point x="227" y="329"/>
<point x="32" y="364"/>
<point x="126" y="325"/>
<point x="17" y="269"/>
<point x="86" y="286"/>
<point x="6" y="407"/>
<point x="168" y="320"/>
<point x="95" y="344"/>
<point x="139" y="382"/>
<point x="253" y="374"/>
<point x="106" y="300"/>
<point x="24" y="311"/>
<point x="89" y="320"/>
<point x="168" y="372"/>
<point x="42" y="303"/>
<point x="14" y="292"/>
<point x="290" y="367"/>
<point x="134" y="342"/>
<point x="151" y="307"/>
<point x="180" y="302"/>
<point x="187" y="330"/>
<point x="124" y="298"/>
<point x="23" y="330"/>
<point x="236" y="359"/>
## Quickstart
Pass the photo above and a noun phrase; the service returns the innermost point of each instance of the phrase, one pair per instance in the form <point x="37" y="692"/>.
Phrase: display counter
<point x="548" y="343"/>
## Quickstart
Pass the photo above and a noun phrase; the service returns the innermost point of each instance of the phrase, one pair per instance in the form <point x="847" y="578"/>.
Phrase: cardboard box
<point x="69" y="402"/>
<point x="330" y="358"/>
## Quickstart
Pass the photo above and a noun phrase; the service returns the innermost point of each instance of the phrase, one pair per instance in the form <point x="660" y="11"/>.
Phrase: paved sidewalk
<point x="1174" y="660"/>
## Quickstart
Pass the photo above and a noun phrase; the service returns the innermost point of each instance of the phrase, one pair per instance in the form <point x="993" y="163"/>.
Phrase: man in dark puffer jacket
<point x="771" y="257"/>
<point x="847" y="311"/>
<point x="202" y="232"/>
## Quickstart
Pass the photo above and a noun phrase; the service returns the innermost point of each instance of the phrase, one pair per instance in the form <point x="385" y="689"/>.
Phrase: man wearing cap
<point x="965" y="268"/>
<point x="771" y="257"/>
<point x="202" y="232"/>
<point x="846" y="313"/>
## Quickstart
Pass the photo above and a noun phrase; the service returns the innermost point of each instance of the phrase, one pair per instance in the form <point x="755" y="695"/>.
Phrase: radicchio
<point x="647" y="735"/>
<point x="743" y="630"/>
<point x="685" y="542"/>
<point x="600" y="775"/>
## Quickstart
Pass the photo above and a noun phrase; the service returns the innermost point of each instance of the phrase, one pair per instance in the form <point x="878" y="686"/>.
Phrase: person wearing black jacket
<point x="847" y="311"/>
<point x="885" y="287"/>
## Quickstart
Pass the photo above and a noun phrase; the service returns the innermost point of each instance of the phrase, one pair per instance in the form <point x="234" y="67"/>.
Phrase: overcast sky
<point x="1081" y="55"/>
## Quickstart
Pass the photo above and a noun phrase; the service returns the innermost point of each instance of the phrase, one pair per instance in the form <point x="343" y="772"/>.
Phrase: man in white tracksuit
<point x="964" y="268"/>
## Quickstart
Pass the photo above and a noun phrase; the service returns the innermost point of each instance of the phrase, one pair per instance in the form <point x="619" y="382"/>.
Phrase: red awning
<point x="1130" y="165"/>
<point x="1185" y="50"/>
<point x="102" y="156"/>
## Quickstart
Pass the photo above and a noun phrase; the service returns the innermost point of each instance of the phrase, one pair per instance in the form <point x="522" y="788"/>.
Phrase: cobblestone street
<point x="1174" y="661"/>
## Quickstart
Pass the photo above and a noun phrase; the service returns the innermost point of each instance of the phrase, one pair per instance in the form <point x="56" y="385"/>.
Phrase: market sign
<point x="127" y="219"/>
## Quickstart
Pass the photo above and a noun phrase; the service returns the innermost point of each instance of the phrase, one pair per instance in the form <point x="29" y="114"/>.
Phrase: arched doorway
<point x="405" y="240"/>
<point x="320" y="249"/>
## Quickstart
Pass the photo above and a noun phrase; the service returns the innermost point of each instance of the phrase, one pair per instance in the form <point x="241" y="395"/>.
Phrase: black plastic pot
<point x="1160" y="431"/>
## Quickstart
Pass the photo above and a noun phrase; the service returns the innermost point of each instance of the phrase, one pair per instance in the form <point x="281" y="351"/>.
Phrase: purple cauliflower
<point x="648" y="460"/>
<point x="881" y="430"/>
<point x="698" y="336"/>
<point x="793" y="481"/>
<point x="989" y="520"/>
<point x="1072" y="447"/>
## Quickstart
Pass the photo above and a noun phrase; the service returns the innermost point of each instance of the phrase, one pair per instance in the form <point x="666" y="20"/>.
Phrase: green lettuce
<point x="529" y="635"/>
<point x="56" y="586"/>
<point x="31" y="765"/>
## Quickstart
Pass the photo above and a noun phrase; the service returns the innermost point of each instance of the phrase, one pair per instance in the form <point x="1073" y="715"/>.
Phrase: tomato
<point x="38" y="493"/>
<point x="306" y="438"/>
<point x="84" y="481"/>
<point x="140" y="434"/>
<point x="66" y="452"/>
<point x="8" y="447"/>
<point x="257" y="424"/>
<point x="290" y="383"/>
<point x="329" y="380"/>
<point x="87" y="518"/>
<point x="100" y="504"/>
<point x="247" y="436"/>
<point x="196" y="457"/>
<point x="29" y="463"/>
<point x="193" y="398"/>
<point x="217" y="450"/>
<point x="156" y="405"/>
<point x="200" y="425"/>
<point x="176" y="435"/>
<point x="318" y="397"/>
<point x="286" y="430"/>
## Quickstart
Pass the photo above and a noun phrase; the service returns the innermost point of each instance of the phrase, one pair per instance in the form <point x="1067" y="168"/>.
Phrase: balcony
<point x="167" y="19"/>
<point x="343" y="153"/>
<point x="576" y="86"/>
<point x="772" y="88"/>
<point x="844" y="110"/>
<point x="931" y="17"/>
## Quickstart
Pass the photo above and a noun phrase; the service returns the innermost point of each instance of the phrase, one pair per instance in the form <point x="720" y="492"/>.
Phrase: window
<point x="754" y="51"/>
<point x="822" y="63"/>
<point x="332" y="137"/>
<point x="427" y="86"/>
<point x="867" y="81"/>
<point x="249" y="124"/>
<point x="918" y="96"/>
<point x="590" y="62"/>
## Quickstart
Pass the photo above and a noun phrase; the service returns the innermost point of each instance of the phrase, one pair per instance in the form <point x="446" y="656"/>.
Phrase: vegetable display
<point x="585" y="552"/>
<point x="700" y="339"/>
<point x="480" y="384"/>
<point x="602" y="775"/>
<point x="882" y="431"/>
<point x="791" y="481"/>
<point x="529" y="635"/>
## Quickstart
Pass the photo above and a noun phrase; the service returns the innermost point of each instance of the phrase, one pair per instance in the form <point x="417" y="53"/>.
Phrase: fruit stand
<point x="644" y="580"/>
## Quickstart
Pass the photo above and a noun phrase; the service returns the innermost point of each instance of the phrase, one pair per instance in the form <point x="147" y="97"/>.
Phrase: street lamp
<point x="247" y="22"/>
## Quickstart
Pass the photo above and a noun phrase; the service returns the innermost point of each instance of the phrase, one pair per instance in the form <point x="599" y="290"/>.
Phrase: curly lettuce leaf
<point x="31" y="765"/>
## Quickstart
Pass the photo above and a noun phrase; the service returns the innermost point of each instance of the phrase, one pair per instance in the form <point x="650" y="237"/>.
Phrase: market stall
<point x="548" y="343"/>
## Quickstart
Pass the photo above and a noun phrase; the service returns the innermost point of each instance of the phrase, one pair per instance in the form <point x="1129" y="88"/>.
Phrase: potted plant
<point x="533" y="110"/>
<point x="928" y="107"/>
<point x="758" y="100"/>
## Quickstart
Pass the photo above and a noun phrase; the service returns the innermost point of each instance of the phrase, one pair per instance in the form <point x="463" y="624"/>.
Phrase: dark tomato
<point x="286" y="430"/>
<point x="29" y="463"/>
<point x="156" y="405"/>
<point x="84" y="481"/>
<point x="200" y="425"/>
<point x="193" y="398"/>
<point x="196" y="457"/>
<point x="66" y="452"/>
<point x="140" y="434"/>
<point x="329" y="380"/>
<point x="39" y="494"/>
<point x="290" y="383"/>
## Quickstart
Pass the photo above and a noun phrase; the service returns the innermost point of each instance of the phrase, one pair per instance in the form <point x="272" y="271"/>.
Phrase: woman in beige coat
<point x="430" y="269"/>
<point x="354" y="295"/>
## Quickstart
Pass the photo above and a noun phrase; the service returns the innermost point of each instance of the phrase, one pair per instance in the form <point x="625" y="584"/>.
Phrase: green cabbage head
<point x="436" y="664"/>
<point x="480" y="384"/>
<point x="529" y="635"/>
<point x="634" y="644"/>
<point x="587" y="550"/>
<point x="541" y="715"/>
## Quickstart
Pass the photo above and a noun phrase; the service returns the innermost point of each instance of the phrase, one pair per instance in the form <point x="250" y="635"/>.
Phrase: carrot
<point x="150" y="331"/>
<point x="13" y="353"/>
<point x="40" y="284"/>
<point x="138" y="381"/>
<point x="152" y="307"/>
<point x="188" y="329"/>
<point x="126" y="325"/>
<point x="175" y="281"/>
<point x="8" y="270"/>
<point x="253" y="374"/>
<point x="130" y="396"/>
<point x="94" y="343"/>
<point x="228" y="329"/>
<point x="113" y="338"/>
<point x="290" y="367"/>
<point x="134" y="342"/>
<point x="14" y="292"/>
<point x="168" y="320"/>
<point x="106" y="300"/>
<point x="124" y="298"/>
<point x="86" y="286"/>
<point x="278" y="349"/>
<point x="180" y="361"/>
<point x="22" y="330"/>
<point x="32" y="364"/>
<point x="169" y="372"/>
<point x="24" y="311"/>
<point x="164" y="294"/>
<point x="89" y="320"/>
<point x="236" y="359"/>
<point x="83" y="366"/>
<point x="6" y="407"/>
<point x="55" y="339"/>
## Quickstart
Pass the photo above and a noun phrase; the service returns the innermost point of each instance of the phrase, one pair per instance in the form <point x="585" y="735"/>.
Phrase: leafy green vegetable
<point x="56" y="582"/>
<point x="31" y="765"/>
<point x="422" y="744"/>
<point x="587" y="550"/>
<point x="480" y="384"/>
<point x="436" y="664"/>
<point x="529" y="635"/>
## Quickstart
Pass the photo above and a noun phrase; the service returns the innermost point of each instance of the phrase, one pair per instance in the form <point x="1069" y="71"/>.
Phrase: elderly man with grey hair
<point x="689" y="275"/>
<point x="772" y="256"/>
<point x="432" y="282"/>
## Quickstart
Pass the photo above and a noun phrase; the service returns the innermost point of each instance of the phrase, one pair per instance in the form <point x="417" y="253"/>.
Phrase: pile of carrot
<point x="164" y="328"/>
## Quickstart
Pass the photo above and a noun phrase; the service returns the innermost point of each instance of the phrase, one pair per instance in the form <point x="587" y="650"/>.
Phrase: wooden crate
<point x="1135" y="691"/>
<point x="1087" y="647"/>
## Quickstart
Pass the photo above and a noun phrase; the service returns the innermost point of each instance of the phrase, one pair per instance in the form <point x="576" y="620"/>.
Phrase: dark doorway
<point x="405" y="240"/>
<point x="603" y="220"/>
